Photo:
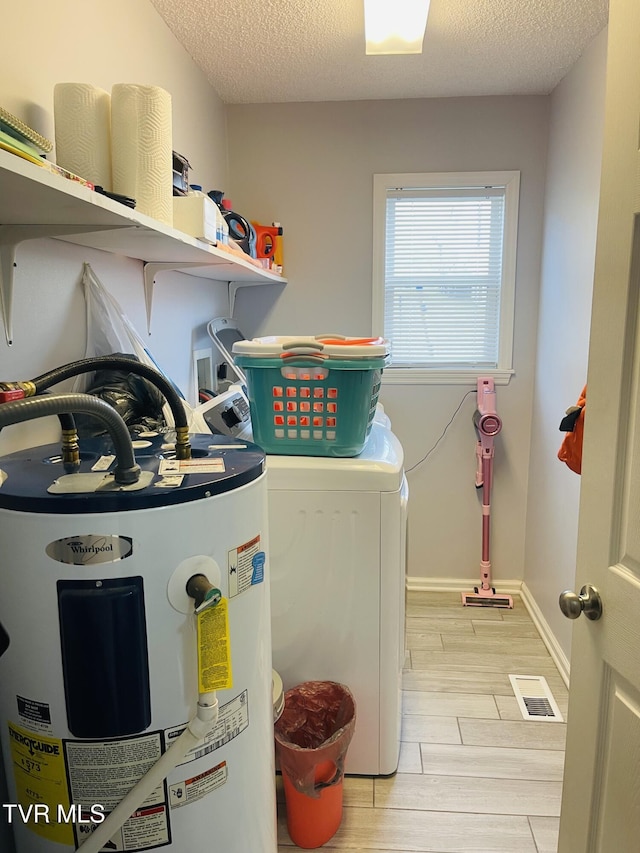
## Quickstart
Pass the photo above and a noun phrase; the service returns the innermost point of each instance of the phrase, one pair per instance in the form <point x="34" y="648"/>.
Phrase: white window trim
<point x="511" y="182"/>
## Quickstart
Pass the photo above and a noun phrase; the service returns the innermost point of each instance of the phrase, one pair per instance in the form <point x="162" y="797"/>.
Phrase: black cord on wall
<point x="444" y="431"/>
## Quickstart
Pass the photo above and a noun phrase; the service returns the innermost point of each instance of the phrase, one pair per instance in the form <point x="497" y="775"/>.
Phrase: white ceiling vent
<point x="535" y="699"/>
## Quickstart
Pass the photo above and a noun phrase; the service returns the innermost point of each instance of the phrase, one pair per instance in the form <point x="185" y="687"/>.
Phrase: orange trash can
<point x="312" y="737"/>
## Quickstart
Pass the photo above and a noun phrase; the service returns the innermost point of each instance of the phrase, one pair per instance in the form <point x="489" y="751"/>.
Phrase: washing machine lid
<point x="379" y="468"/>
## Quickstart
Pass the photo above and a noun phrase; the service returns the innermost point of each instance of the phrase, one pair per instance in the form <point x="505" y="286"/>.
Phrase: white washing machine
<point x="337" y="530"/>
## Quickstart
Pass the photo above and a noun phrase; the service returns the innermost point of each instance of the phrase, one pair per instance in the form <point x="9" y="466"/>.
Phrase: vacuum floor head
<point x="486" y="598"/>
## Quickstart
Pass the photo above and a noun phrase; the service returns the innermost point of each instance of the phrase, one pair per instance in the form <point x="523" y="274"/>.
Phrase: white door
<point x="601" y="801"/>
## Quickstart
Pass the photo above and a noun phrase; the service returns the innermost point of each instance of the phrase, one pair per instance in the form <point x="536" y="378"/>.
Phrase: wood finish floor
<point x="473" y="775"/>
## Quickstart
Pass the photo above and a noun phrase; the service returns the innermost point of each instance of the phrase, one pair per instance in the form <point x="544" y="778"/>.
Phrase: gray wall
<point x="311" y="166"/>
<point x="571" y="209"/>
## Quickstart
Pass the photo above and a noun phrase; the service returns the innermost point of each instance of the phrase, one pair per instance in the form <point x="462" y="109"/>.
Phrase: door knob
<point x="588" y="602"/>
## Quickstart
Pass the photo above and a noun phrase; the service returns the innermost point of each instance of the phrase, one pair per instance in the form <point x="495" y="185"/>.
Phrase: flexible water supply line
<point x="127" y="470"/>
<point x="70" y="445"/>
<point x="130" y="365"/>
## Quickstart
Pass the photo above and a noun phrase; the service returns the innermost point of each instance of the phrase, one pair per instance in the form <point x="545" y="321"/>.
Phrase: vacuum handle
<point x="479" y="477"/>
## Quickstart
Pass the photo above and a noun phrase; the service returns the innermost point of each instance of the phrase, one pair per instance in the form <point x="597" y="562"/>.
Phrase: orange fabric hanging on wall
<point x="571" y="448"/>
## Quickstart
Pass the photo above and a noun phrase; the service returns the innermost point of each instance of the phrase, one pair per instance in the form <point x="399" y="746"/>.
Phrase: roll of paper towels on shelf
<point x="82" y="118"/>
<point x="141" y="148"/>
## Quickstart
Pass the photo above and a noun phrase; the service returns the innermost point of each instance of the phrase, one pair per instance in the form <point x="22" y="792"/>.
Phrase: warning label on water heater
<point x="191" y="466"/>
<point x="198" y="786"/>
<point x="246" y="566"/>
<point x="233" y="719"/>
<point x="214" y="652"/>
<point x="104" y="772"/>
<point x="35" y="715"/>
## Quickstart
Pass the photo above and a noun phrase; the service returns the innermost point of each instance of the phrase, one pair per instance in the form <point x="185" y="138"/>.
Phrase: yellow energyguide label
<point x="39" y="772"/>
<point x="214" y="648"/>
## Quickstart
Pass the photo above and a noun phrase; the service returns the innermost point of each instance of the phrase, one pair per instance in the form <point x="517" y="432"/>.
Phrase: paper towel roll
<point x="82" y="117"/>
<point x="141" y="148"/>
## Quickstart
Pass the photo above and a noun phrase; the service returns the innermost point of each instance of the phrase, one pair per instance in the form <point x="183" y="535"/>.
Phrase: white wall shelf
<point x="36" y="203"/>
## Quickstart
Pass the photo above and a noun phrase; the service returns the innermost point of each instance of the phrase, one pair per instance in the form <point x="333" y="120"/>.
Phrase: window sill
<point x="425" y="376"/>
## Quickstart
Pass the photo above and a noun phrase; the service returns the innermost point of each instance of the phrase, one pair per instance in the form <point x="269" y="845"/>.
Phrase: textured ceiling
<point x="267" y="51"/>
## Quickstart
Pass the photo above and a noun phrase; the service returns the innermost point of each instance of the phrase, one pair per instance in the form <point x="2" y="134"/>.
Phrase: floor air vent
<point x="535" y="699"/>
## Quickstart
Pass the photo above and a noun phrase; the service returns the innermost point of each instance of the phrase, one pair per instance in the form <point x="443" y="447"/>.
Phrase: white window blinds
<point x="445" y="282"/>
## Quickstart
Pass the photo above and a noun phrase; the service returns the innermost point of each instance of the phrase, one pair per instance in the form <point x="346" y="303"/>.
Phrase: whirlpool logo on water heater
<point x="89" y="550"/>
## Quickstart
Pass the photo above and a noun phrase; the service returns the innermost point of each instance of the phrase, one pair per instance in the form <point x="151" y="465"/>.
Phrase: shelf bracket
<point x="10" y="237"/>
<point x="234" y="287"/>
<point x="151" y="269"/>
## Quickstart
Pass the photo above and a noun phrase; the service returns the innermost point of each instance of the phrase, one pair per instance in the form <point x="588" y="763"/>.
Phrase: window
<point x="444" y="273"/>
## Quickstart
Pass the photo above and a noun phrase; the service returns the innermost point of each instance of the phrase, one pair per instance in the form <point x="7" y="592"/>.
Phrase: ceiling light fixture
<point x="395" y="26"/>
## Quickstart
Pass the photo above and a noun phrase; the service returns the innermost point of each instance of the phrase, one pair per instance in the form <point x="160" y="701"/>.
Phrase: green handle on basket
<point x="300" y="359"/>
<point x="301" y="347"/>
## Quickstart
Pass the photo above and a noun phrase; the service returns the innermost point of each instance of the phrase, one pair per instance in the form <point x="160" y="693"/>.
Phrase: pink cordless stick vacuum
<point x="488" y="424"/>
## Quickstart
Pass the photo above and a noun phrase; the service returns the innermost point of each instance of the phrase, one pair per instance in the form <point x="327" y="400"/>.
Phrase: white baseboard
<point x="548" y="637"/>
<point x="415" y="584"/>
<point x="507" y="587"/>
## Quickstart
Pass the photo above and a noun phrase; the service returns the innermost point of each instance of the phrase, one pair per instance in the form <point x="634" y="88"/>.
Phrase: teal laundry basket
<point x="312" y="396"/>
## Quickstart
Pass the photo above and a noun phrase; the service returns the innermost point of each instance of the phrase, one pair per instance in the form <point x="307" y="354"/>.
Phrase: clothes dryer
<point x="337" y="529"/>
